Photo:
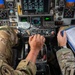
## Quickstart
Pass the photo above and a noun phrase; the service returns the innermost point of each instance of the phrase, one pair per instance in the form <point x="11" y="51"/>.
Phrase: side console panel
<point x="64" y="12"/>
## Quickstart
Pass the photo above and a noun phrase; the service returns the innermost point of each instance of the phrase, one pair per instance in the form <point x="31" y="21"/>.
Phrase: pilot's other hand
<point x="62" y="40"/>
<point x="36" y="42"/>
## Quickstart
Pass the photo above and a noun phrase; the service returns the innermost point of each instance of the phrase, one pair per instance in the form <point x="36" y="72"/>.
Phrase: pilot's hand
<point x="36" y="42"/>
<point x="62" y="40"/>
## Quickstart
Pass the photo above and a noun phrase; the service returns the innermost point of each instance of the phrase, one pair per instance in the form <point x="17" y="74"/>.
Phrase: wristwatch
<point x="64" y="46"/>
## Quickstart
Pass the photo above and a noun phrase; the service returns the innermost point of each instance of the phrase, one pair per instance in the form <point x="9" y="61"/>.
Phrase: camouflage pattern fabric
<point x="24" y="68"/>
<point x="66" y="61"/>
<point x="8" y="39"/>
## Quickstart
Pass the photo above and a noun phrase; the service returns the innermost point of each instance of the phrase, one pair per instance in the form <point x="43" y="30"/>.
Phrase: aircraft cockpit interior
<point x="43" y="17"/>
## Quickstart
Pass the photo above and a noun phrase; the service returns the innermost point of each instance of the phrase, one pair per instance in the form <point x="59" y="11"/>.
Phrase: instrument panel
<point x="27" y="15"/>
<point x="39" y="21"/>
<point x="42" y="14"/>
<point x="37" y="14"/>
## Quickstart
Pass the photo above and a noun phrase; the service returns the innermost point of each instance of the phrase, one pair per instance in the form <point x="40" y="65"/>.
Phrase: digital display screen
<point x="48" y="18"/>
<point x="35" y="6"/>
<point x="23" y="19"/>
<point x="2" y="4"/>
<point x="36" y="21"/>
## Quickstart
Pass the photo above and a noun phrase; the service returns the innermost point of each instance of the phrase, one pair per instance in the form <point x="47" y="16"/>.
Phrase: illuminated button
<point x="47" y="32"/>
<point x="11" y="11"/>
<point x="52" y="32"/>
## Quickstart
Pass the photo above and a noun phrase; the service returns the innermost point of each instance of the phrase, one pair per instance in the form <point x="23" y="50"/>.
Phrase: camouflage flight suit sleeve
<point x="24" y="68"/>
<point x="66" y="61"/>
<point x="8" y="39"/>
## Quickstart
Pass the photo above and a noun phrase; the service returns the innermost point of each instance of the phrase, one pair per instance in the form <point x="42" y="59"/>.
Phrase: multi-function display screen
<point x="48" y="18"/>
<point x="36" y="21"/>
<point x="34" y="6"/>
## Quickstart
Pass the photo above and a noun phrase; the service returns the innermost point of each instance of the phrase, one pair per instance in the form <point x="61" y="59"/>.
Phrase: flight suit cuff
<point x="66" y="60"/>
<point x="27" y="66"/>
<point x="63" y="50"/>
